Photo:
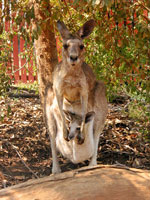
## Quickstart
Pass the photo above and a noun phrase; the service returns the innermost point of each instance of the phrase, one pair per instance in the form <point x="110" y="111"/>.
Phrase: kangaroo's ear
<point x="89" y="116"/>
<point x="86" y="29"/>
<point x="63" y="30"/>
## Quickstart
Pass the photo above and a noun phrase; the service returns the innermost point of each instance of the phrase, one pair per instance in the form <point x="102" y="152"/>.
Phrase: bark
<point x="45" y="45"/>
<point x="98" y="183"/>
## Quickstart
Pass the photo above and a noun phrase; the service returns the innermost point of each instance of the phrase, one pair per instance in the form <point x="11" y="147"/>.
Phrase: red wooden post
<point x="16" y="58"/>
<point x="23" y="61"/>
<point x="31" y="76"/>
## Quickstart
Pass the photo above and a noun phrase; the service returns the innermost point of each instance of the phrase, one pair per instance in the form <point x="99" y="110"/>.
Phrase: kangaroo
<point x="74" y="149"/>
<point x="72" y="78"/>
<point x="75" y="105"/>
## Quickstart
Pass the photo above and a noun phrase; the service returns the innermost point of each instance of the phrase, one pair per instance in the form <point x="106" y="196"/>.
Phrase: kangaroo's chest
<point x="73" y="87"/>
<point x="72" y="92"/>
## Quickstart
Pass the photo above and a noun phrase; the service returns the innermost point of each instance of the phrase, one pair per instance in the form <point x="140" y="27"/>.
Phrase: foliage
<point x="5" y="60"/>
<point x="15" y="17"/>
<point x="4" y="83"/>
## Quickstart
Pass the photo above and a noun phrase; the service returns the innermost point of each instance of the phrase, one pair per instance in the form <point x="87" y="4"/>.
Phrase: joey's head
<point x="73" y="47"/>
<point x="74" y="121"/>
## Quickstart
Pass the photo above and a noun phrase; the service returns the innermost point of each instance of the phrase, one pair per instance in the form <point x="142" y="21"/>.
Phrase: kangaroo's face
<point x="73" y="51"/>
<point x="73" y="48"/>
<point x="74" y="121"/>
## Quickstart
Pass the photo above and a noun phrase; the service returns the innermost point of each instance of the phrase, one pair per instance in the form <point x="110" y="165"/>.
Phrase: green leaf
<point x="75" y="2"/>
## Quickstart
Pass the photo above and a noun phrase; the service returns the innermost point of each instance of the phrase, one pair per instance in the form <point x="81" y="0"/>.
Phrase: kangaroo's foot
<point x="56" y="169"/>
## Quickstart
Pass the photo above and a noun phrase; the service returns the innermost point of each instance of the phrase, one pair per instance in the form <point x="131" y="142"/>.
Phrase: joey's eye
<point x="65" y="46"/>
<point x="81" y="46"/>
<point x="78" y="128"/>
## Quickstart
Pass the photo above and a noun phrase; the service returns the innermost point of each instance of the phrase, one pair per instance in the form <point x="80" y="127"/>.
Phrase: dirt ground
<point x="25" y="147"/>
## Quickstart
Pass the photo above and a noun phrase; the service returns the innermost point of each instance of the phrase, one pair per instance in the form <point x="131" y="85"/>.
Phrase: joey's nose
<point x="70" y="136"/>
<point x="73" y="58"/>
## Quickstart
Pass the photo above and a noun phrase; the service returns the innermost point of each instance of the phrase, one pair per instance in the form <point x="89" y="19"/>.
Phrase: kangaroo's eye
<point x="81" y="46"/>
<point x="65" y="46"/>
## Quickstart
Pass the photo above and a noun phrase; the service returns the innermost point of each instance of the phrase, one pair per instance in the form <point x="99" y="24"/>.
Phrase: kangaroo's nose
<point x="73" y="58"/>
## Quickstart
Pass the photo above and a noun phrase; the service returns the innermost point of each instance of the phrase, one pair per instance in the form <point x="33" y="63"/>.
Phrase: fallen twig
<point x="21" y="158"/>
<point x="23" y="95"/>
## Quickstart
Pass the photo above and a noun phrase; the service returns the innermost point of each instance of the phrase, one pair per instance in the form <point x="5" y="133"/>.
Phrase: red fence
<point x="19" y="69"/>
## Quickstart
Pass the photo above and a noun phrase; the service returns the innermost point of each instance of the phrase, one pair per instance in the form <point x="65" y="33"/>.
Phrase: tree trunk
<point x="45" y="46"/>
<point x="98" y="183"/>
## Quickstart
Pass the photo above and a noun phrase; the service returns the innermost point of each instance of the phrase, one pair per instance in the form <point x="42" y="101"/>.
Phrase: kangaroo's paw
<point x="65" y="133"/>
<point x="81" y="135"/>
<point x="80" y="139"/>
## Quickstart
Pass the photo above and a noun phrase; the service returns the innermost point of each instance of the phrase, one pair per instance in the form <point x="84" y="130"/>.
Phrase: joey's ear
<point x="86" y="29"/>
<point x="67" y="115"/>
<point x="63" y="30"/>
<point x="89" y="116"/>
